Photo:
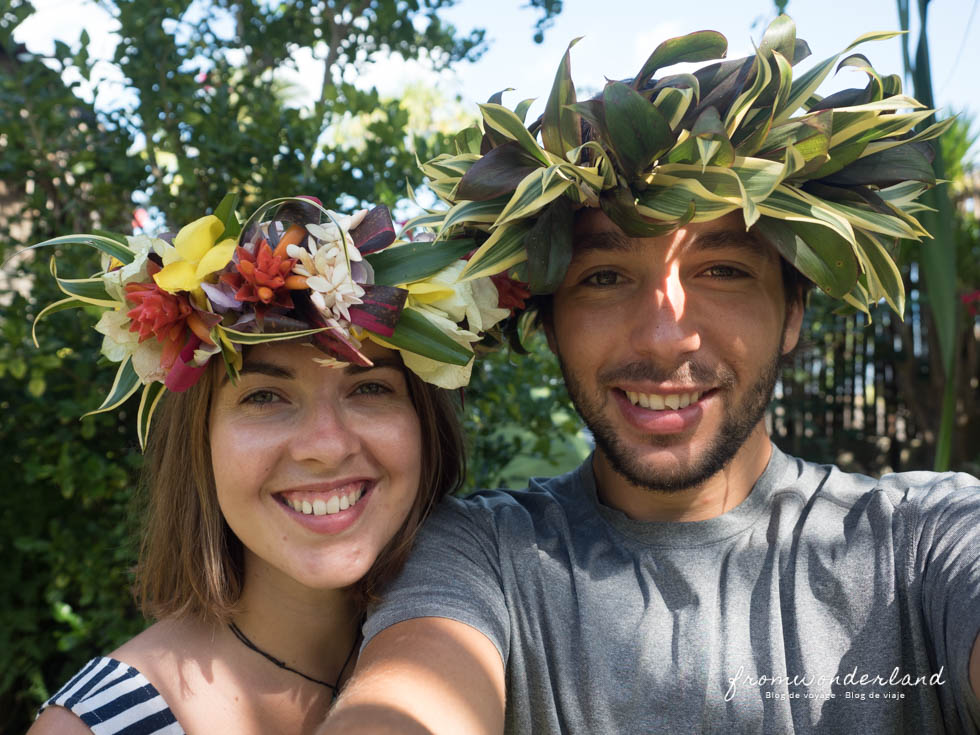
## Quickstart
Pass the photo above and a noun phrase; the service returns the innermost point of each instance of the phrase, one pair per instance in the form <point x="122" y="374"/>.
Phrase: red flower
<point x="166" y="316"/>
<point x="972" y="302"/>
<point x="510" y="292"/>
<point x="265" y="278"/>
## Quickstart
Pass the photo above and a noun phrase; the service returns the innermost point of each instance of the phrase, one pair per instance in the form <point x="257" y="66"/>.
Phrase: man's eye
<point x="724" y="271"/>
<point x="602" y="278"/>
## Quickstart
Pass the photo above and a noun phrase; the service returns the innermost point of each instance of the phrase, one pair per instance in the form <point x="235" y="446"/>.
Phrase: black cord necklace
<point x="283" y="665"/>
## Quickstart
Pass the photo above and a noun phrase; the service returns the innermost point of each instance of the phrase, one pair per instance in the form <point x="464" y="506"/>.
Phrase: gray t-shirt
<point x="825" y="602"/>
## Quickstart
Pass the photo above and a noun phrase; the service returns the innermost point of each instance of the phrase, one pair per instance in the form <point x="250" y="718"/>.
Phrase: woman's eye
<point x="602" y="278"/>
<point x="260" y="398"/>
<point x="371" y="389"/>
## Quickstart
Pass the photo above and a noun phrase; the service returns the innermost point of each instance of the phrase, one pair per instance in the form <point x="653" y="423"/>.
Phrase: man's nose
<point x="663" y="324"/>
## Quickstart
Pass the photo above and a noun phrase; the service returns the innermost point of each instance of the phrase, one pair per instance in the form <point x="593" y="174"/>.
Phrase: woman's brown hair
<point x="190" y="561"/>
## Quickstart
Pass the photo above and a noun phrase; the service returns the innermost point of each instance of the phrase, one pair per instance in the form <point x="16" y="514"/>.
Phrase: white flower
<point x="474" y="300"/>
<point x="325" y="262"/>
<point x="120" y="343"/>
<point x="135" y="272"/>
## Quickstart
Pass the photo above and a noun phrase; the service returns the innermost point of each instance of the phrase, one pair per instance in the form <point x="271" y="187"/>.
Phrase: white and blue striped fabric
<point x="115" y="699"/>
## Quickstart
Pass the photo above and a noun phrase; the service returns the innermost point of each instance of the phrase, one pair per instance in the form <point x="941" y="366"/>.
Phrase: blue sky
<point x="618" y="36"/>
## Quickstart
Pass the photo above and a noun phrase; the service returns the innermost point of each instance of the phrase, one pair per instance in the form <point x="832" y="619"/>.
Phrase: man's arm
<point x="423" y="676"/>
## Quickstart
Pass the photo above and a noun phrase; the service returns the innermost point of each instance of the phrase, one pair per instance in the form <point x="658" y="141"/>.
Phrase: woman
<point x="284" y="484"/>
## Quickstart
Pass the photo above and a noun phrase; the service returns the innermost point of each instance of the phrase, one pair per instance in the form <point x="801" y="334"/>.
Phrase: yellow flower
<point x="194" y="255"/>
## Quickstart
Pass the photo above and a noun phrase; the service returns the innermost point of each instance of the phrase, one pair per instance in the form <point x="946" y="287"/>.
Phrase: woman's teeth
<point x="658" y="402"/>
<point x="321" y="507"/>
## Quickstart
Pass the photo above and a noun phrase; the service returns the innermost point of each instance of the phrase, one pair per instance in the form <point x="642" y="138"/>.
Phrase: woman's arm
<point x="423" y="676"/>
<point x="57" y="720"/>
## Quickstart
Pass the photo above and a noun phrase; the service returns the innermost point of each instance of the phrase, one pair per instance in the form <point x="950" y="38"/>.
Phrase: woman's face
<point x="316" y="467"/>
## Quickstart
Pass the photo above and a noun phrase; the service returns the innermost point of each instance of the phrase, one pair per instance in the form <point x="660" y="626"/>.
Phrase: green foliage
<point x="202" y="108"/>
<point x="519" y="419"/>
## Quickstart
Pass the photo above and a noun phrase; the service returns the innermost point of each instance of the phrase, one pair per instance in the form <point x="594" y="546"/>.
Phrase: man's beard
<point x="737" y="424"/>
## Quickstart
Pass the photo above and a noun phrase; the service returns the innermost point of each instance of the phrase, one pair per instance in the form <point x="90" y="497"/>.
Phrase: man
<point x="689" y="576"/>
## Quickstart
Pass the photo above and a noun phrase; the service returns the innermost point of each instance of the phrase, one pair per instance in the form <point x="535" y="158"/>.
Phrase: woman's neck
<point x="312" y="631"/>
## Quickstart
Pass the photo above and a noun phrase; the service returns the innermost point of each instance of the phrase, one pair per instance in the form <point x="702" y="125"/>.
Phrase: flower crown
<point x="174" y="302"/>
<point x="833" y="187"/>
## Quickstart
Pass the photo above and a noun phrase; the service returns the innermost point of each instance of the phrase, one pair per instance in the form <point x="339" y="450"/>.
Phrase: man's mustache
<point x="691" y="373"/>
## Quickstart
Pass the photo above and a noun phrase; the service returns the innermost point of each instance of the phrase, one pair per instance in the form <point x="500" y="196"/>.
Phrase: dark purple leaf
<point x="380" y="310"/>
<point x="496" y="173"/>
<point x="375" y="232"/>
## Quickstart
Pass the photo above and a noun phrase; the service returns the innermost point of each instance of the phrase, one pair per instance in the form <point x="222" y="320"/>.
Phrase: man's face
<point x="670" y="345"/>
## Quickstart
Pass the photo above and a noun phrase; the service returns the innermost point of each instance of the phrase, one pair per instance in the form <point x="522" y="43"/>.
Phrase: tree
<point x="206" y="110"/>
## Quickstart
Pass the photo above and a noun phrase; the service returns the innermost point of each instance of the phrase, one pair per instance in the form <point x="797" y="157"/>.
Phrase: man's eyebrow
<point x="729" y="239"/>
<point x="602" y="240"/>
<point x="379" y="362"/>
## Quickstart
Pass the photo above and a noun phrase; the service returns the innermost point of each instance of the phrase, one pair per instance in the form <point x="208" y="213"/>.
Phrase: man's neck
<point x="717" y="495"/>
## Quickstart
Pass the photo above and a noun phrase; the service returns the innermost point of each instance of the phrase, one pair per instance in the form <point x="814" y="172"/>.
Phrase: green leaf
<point x="536" y="191"/>
<point x="789" y="203"/>
<point x="226" y="212"/>
<point x="502" y="250"/>
<point x="473" y="213"/>
<point x="121" y="239"/>
<point x="809" y="134"/>
<point x="497" y="173"/>
<point x="637" y="131"/>
<point x="149" y="400"/>
<point x="106" y="244"/>
<point x="713" y="143"/>
<point x="561" y="128"/>
<point x="90" y="290"/>
<point x="889" y="167"/>
<point x="619" y="204"/>
<point x="699" y="46"/>
<point x="416" y="260"/>
<point x="883" y="276"/>
<point x="467" y="140"/>
<point x="549" y="247"/>
<point x="673" y="103"/>
<point x="670" y="199"/>
<point x="53" y="308"/>
<point x="744" y="101"/>
<point x="255" y="338"/>
<point x="417" y="334"/>
<point x="522" y="107"/>
<point x="817" y="252"/>
<point x="508" y="124"/>
<point x="125" y="384"/>
<point x="780" y="37"/>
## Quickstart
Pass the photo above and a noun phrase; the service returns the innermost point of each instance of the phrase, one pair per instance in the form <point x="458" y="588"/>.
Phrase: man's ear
<point x="794" y="322"/>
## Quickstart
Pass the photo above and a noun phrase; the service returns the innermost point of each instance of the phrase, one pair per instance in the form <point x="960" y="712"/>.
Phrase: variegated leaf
<point x="509" y="125"/>
<point x="502" y="250"/>
<point x="532" y="196"/>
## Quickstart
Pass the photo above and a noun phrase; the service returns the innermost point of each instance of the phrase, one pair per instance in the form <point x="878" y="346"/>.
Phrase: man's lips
<point x="664" y="413"/>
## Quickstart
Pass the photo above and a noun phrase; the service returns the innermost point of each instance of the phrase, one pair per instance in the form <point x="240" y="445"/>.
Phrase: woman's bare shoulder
<point x="58" y="721"/>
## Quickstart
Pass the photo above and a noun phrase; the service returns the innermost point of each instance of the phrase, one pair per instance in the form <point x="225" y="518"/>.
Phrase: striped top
<point x="115" y="699"/>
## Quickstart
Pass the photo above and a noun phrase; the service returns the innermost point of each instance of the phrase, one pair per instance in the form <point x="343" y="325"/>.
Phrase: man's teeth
<point x="321" y="507"/>
<point x="659" y="402"/>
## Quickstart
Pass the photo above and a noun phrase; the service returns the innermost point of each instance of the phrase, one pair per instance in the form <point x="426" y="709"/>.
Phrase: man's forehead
<point x="594" y="231"/>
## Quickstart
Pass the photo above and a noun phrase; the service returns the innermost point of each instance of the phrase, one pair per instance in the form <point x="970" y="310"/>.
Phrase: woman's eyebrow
<point x="380" y="362"/>
<point x="266" y="368"/>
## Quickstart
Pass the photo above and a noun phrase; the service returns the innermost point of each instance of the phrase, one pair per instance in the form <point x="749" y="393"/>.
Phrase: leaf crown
<point x="831" y="181"/>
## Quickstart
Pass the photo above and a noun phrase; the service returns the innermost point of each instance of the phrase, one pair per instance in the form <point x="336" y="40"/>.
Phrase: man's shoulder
<point x="542" y="498"/>
<point x="916" y="487"/>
